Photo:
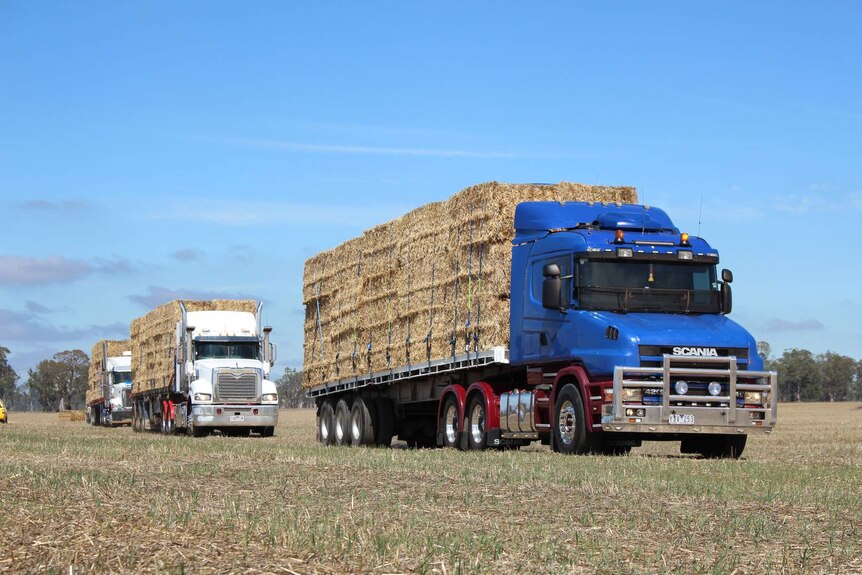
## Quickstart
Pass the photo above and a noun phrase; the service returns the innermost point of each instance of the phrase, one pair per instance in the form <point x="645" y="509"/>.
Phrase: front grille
<point x="237" y="386"/>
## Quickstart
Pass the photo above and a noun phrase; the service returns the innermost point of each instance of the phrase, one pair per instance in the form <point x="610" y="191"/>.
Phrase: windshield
<point x="121" y="377"/>
<point x="227" y="350"/>
<point x="668" y="287"/>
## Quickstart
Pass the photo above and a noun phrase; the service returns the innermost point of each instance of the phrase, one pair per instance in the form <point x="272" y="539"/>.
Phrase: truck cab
<point x="223" y="366"/>
<point x="118" y="388"/>
<point x="617" y="291"/>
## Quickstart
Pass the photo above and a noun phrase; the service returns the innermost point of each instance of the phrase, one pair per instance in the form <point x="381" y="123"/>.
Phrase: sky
<point x="155" y="150"/>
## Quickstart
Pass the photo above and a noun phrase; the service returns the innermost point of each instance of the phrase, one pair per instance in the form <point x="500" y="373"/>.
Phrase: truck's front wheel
<point x="570" y="433"/>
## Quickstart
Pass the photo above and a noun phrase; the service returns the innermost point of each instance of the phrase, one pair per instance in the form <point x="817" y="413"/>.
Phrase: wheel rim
<point x="451" y="424"/>
<point x="324" y="429"/>
<point x="355" y="431"/>
<point x="477" y="424"/>
<point x="339" y="427"/>
<point x="566" y="422"/>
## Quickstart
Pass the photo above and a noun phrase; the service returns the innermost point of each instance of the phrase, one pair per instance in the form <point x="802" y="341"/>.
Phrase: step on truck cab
<point x="216" y="377"/>
<point x="618" y="333"/>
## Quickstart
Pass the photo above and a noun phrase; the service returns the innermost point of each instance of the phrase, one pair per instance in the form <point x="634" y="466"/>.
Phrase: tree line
<point x="61" y="382"/>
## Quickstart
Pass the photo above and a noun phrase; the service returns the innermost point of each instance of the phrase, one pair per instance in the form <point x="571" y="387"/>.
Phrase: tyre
<point x="361" y="423"/>
<point x="193" y="430"/>
<point x="385" y="424"/>
<point x="450" y="419"/>
<point x="268" y="431"/>
<point x="342" y="423"/>
<point x="569" y="427"/>
<point x="476" y="420"/>
<point x="722" y="446"/>
<point x="326" y="423"/>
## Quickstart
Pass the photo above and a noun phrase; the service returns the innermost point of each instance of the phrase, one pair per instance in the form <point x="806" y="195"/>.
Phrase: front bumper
<point x="235" y="415"/>
<point x="121" y="415"/>
<point x="669" y="417"/>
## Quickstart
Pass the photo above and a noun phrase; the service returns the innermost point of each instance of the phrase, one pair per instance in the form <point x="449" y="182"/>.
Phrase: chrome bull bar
<point x="701" y="414"/>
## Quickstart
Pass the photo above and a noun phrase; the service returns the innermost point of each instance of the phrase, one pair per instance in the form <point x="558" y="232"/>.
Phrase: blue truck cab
<point x="618" y="291"/>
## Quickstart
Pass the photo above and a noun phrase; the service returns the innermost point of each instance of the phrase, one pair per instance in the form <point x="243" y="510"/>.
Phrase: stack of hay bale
<point x="115" y="348"/>
<point x="154" y="340"/>
<point x="430" y="284"/>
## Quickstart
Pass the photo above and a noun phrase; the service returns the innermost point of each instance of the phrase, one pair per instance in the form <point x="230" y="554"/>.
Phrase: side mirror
<point x="552" y="288"/>
<point x="726" y="298"/>
<point x="726" y="276"/>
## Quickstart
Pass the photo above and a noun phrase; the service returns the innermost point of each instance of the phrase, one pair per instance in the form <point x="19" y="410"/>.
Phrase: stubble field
<point x="79" y="499"/>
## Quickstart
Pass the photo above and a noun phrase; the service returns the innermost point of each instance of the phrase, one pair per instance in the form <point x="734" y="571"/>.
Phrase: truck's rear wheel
<point x="721" y="446"/>
<point x="361" y="423"/>
<point x="385" y="428"/>
<point x="476" y="421"/>
<point x="325" y="423"/>
<point x="450" y="419"/>
<point x="570" y="432"/>
<point x="342" y="423"/>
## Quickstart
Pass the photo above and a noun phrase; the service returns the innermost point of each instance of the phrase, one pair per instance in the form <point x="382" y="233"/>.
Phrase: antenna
<point x="699" y="214"/>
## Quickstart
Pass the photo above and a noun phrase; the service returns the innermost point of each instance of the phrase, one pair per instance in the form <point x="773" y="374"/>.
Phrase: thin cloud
<point x="784" y="325"/>
<point x="58" y="206"/>
<point x="25" y="327"/>
<point x="15" y="270"/>
<point x="157" y="295"/>
<point x="375" y="150"/>
<point x="36" y="307"/>
<point x="31" y="271"/>
<point x="187" y="255"/>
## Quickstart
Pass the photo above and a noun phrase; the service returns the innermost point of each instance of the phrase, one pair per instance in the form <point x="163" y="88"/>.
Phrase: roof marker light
<point x="683" y="239"/>
<point x="620" y="237"/>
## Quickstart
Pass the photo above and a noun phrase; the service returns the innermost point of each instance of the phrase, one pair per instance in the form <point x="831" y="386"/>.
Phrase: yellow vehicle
<point x="3" y="415"/>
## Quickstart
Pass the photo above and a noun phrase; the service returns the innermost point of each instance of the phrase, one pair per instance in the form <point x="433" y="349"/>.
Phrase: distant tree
<point x="60" y="381"/>
<point x="836" y="375"/>
<point x="856" y="393"/>
<point x="8" y="377"/>
<point x="290" y="391"/>
<point x="798" y="376"/>
<point x="764" y="350"/>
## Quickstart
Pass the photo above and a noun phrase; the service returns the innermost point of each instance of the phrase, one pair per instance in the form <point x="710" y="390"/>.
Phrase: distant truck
<point x="203" y="366"/>
<point x="492" y="320"/>
<point x="110" y="384"/>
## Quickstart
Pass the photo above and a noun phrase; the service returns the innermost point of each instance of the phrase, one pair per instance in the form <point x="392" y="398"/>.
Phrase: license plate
<point x="680" y="419"/>
<point x="241" y="418"/>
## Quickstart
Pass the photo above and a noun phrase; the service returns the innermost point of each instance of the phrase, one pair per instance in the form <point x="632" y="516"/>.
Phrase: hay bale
<point x="116" y="347"/>
<point x="154" y="340"/>
<point x="424" y="286"/>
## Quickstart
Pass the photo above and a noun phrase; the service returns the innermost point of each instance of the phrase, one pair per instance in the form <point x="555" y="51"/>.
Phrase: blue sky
<point x="157" y="150"/>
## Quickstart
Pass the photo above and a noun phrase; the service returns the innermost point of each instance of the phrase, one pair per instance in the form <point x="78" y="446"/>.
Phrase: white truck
<point x="109" y="393"/>
<point x="204" y="366"/>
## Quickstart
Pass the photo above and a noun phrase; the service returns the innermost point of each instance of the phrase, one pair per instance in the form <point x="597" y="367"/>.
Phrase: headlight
<point x="269" y="397"/>
<point x="203" y="397"/>
<point x="681" y="387"/>
<point x="753" y="397"/>
<point x="632" y="394"/>
<point x="714" y="388"/>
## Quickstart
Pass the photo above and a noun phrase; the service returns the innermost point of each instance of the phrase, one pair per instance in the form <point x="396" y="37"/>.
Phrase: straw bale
<point x="154" y="340"/>
<point x="423" y="286"/>
<point x="116" y="347"/>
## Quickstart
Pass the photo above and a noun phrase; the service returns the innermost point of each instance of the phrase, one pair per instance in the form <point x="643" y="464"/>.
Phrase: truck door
<point x="542" y="326"/>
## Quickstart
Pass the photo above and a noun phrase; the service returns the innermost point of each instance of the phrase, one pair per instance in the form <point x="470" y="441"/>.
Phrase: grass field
<point x="107" y="500"/>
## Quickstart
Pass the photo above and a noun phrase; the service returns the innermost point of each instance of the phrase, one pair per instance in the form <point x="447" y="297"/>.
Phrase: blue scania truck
<point x="619" y="334"/>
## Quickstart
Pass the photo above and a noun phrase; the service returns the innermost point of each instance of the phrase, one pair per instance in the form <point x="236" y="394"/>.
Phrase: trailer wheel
<point x="342" y="423"/>
<point x="326" y="423"/>
<point x="476" y="420"/>
<point x="450" y="418"/>
<point x="722" y="446"/>
<point x="361" y="423"/>
<point x="385" y="428"/>
<point x="570" y="433"/>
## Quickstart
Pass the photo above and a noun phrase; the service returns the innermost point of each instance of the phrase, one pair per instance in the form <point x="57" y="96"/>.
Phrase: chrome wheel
<point x="355" y="427"/>
<point x="450" y="424"/>
<point x="566" y="422"/>
<point x="324" y="430"/>
<point x="477" y="424"/>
